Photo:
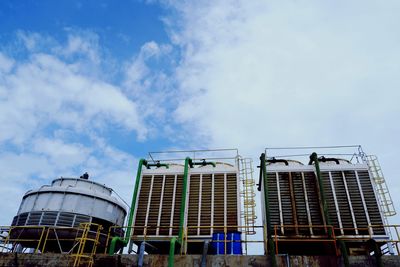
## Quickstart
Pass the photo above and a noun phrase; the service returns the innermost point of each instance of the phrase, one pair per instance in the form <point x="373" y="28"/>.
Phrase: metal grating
<point x="212" y="202"/>
<point x="294" y="200"/>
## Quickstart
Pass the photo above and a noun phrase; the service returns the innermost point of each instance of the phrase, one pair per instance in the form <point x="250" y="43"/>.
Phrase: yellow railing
<point x="38" y="239"/>
<point x="42" y="235"/>
<point x="141" y="233"/>
<point x="9" y="242"/>
<point x="84" y="255"/>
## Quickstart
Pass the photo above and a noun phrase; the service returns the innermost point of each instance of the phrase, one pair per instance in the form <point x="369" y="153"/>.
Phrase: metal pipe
<point x="323" y="159"/>
<point x="188" y="161"/>
<point x="124" y="241"/>
<point x="314" y="158"/>
<point x="274" y="160"/>
<point x="203" y="163"/>
<point x="204" y="256"/>
<point x="171" y="256"/>
<point x="263" y="170"/>
<point x="141" y="254"/>
<point x="157" y="164"/>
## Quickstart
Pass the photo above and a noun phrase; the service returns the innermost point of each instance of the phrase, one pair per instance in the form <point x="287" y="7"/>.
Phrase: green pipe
<point x="171" y="259"/>
<point x="124" y="241"/>
<point x="157" y="164"/>
<point x="314" y="158"/>
<point x="271" y="244"/>
<point x="188" y="162"/>
<point x="343" y="250"/>
<point x="203" y="163"/>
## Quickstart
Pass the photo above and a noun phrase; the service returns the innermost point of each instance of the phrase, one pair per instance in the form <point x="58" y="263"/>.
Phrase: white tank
<point x="67" y="202"/>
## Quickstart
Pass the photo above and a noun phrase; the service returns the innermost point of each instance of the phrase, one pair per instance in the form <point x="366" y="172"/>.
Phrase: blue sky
<point x="94" y="85"/>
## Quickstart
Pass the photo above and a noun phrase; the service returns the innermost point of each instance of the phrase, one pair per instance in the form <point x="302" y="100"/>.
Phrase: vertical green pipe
<point x="342" y="244"/>
<point x="171" y="259"/>
<point x="314" y="158"/>
<point x="188" y="161"/>
<point x="271" y="244"/>
<point x="131" y="212"/>
<point x="134" y="197"/>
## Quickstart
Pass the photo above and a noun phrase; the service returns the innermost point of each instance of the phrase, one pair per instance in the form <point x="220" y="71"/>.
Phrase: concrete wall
<point x="59" y="260"/>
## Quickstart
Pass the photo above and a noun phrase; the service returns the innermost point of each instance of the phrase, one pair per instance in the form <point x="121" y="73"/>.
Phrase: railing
<point x="142" y="235"/>
<point x="38" y="239"/>
<point x="9" y="243"/>
<point x="84" y="255"/>
<point x="324" y="238"/>
<point x="11" y="236"/>
<point x="392" y="242"/>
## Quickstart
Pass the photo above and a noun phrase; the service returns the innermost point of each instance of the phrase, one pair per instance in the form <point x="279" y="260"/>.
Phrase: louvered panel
<point x="371" y="202"/>
<point x="205" y="219"/>
<point x="166" y="209"/>
<point x="356" y="202"/>
<point x="178" y="201"/>
<point x="330" y="201"/>
<point x="273" y="199"/>
<point x="231" y="201"/>
<point x="343" y="202"/>
<point x="313" y="199"/>
<point x="301" y="208"/>
<point x="141" y="209"/>
<point x="286" y="202"/>
<point x="193" y="209"/>
<point x="219" y="208"/>
<point x="154" y="205"/>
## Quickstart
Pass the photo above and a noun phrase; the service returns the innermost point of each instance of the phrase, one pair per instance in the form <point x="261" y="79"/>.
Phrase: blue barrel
<point x="218" y="245"/>
<point x="234" y="244"/>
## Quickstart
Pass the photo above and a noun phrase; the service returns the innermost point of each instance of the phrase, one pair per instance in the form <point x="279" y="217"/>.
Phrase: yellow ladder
<point x="381" y="186"/>
<point x="248" y="195"/>
<point x="90" y="237"/>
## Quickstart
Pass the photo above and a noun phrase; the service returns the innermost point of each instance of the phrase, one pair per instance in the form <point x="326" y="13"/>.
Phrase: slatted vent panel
<point x="330" y="201"/>
<point x="231" y="201"/>
<point x="356" y="202"/>
<point x="141" y="209"/>
<point x="313" y="200"/>
<point x="343" y="202"/>
<point x="273" y="199"/>
<point x="346" y="191"/>
<point x="150" y="195"/>
<point x="371" y="202"/>
<point x="206" y="194"/>
<point x="287" y="211"/>
<point x="166" y="209"/>
<point x="301" y="208"/>
<point x="177" y="206"/>
<point x="219" y="193"/>
<point x="153" y="211"/>
<point x="193" y="209"/>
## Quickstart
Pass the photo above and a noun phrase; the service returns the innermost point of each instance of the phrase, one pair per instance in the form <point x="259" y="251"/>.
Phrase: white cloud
<point x="6" y="63"/>
<point x="257" y="74"/>
<point x="55" y="116"/>
<point x="46" y="90"/>
<point x="287" y="73"/>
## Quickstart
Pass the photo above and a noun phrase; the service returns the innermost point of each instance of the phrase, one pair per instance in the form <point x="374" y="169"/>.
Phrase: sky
<point x="95" y="85"/>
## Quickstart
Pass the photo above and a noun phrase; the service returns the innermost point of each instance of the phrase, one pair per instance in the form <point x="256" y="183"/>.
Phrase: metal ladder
<point x="248" y="194"/>
<point x="90" y="234"/>
<point x="386" y="201"/>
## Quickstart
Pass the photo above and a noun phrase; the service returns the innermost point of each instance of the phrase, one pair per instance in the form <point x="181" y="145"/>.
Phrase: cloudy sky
<point x="94" y="85"/>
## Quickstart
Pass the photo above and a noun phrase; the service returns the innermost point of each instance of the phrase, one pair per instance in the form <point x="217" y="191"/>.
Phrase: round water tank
<point x="65" y="204"/>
